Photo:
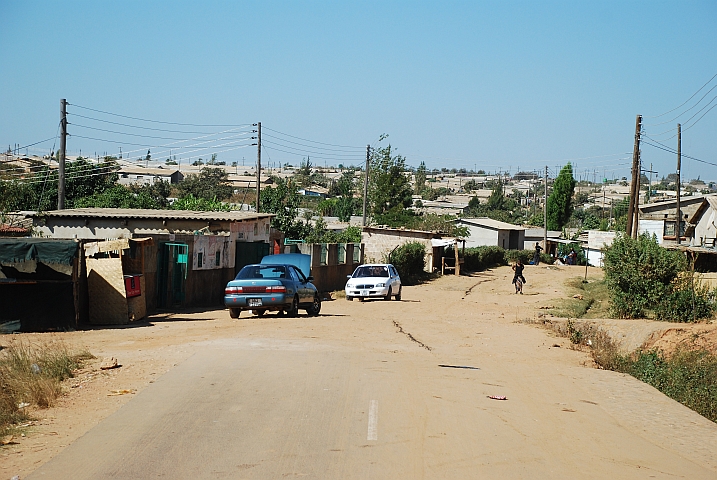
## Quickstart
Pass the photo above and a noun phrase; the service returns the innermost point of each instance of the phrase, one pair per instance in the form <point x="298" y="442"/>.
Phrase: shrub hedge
<point x="409" y="260"/>
<point x="642" y="276"/>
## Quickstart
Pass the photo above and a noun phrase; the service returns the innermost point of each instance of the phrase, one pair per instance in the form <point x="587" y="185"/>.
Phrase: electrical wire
<point x="680" y="106"/>
<point x="313" y="141"/>
<point x="127" y="133"/>
<point x="308" y="146"/>
<point x="153" y="146"/>
<point x="37" y="143"/>
<point x="302" y="155"/>
<point x="679" y="115"/>
<point x="159" y="121"/>
<point x="133" y="126"/>
<point x="695" y="123"/>
<point x="311" y="152"/>
<point x="683" y="155"/>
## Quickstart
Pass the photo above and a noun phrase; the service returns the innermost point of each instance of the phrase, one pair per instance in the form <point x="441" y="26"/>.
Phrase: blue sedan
<point x="275" y="288"/>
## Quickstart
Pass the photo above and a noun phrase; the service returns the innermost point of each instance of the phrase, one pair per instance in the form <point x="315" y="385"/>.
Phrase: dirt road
<point x="366" y="390"/>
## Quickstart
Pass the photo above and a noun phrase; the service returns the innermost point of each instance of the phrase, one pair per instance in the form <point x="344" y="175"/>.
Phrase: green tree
<point x="497" y="200"/>
<point x="389" y="188"/>
<point x="560" y="199"/>
<point x="211" y="183"/>
<point x="190" y="202"/>
<point x="420" y="178"/>
<point x="136" y="196"/>
<point x="283" y="200"/>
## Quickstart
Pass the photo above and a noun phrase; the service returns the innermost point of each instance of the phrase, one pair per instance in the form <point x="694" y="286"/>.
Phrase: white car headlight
<point x="380" y="285"/>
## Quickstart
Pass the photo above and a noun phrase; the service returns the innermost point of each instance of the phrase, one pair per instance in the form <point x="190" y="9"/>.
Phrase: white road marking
<point x="372" y="421"/>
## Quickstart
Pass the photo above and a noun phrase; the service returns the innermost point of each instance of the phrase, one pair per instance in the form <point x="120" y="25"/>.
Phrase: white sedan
<point x="379" y="280"/>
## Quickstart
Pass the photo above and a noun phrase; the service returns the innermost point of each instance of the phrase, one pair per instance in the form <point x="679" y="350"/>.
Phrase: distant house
<point x="486" y="231"/>
<point x="533" y="235"/>
<point x="659" y="218"/>
<point x="702" y="227"/>
<point x="379" y="242"/>
<point x="315" y="191"/>
<point x="129" y="175"/>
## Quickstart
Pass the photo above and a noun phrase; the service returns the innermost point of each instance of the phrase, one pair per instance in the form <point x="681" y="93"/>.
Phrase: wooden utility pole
<point x="61" y="155"/>
<point x="365" y="184"/>
<point x="678" y="223"/>
<point x="545" y="214"/>
<point x="258" y="167"/>
<point x="634" y="184"/>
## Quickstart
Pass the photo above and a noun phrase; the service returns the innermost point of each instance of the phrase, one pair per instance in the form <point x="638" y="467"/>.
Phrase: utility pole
<point x="258" y="167"/>
<point x="678" y="223"/>
<point x="365" y="184"/>
<point x="545" y="214"/>
<point x="634" y="188"/>
<point x="61" y="159"/>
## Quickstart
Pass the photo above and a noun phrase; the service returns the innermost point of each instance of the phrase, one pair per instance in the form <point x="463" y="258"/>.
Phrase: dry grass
<point x="587" y="300"/>
<point x="31" y="375"/>
<point x="687" y="375"/>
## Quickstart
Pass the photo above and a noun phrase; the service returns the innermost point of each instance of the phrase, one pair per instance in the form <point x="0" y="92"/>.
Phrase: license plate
<point x="364" y="293"/>
<point x="255" y="302"/>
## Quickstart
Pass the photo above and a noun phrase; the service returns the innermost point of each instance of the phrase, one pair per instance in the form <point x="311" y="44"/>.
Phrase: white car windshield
<point x="371" y="271"/>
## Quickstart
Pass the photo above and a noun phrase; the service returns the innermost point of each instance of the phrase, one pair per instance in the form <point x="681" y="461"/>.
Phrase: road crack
<point x="468" y="292"/>
<point x="411" y="337"/>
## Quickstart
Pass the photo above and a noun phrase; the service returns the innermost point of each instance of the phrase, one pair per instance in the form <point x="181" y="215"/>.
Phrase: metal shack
<point x="42" y="284"/>
<point x="190" y="257"/>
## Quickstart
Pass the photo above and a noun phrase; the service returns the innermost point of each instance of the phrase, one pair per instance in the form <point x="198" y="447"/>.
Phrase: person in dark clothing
<point x="536" y="255"/>
<point x="518" y="269"/>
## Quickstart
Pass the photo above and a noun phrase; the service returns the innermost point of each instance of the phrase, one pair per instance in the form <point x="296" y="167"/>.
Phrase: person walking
<point x="536" y="255"/>
<point x="518" y="278"/>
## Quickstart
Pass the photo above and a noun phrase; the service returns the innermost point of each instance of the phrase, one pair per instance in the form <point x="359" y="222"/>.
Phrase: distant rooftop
<point x="235" y="215"/>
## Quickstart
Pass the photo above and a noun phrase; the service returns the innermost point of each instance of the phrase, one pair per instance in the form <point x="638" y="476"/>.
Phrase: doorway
<point x="172" y="274"/>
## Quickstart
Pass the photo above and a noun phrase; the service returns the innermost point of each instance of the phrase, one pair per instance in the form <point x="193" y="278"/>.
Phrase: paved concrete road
<point x="360" y="393"/>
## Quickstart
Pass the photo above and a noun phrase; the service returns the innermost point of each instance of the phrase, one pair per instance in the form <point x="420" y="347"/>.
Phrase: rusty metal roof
<point x="233" y="216"/>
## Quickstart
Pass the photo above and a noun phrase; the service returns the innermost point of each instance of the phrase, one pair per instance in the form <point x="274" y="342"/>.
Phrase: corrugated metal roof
<point x="490" y="223"/>
<point x="137" y="170"/>
<point x="152" y="214"/>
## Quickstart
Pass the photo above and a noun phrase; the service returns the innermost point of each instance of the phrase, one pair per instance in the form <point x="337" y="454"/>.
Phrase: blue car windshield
<point x="262" y="271"/>
<point x="379" y="271"/>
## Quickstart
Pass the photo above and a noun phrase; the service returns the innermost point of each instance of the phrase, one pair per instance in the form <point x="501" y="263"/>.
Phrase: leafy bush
<point x="642" y="276"/>
<point x="689" y="300"/>
<point x="409" y="259"/>
<point x="525" y="256"/>
<point x="688" y="376"/>
<point x="480" y="258"/>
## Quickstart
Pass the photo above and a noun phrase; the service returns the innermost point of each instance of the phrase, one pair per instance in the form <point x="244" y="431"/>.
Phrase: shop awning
<point x="39" y="249"/>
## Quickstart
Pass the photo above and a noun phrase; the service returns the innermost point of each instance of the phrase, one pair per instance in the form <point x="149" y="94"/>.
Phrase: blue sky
<point x="492" y="85"/>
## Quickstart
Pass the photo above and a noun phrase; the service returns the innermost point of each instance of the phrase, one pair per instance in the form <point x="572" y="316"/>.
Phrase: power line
<point x="303" y="155"/>
<point x="303" y="145"/>
<point x="695" y="123"/>
<point x="154" y="146"/>
<point x="37" y="143"/>
<point x="679" y="115"/>
<point x="127" y="133"/>
<point x="134" y="126"/>
<point x="693" y="95"/>
<point x="159" y="121"/>
<point x="314" y="141"/>
<point x="670" y="150"/>
<point x="311" y="152"/>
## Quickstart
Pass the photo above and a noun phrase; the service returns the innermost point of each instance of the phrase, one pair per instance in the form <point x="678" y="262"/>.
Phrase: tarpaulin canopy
<point x="39" y="249"/>
<point x="443" y="242"/>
